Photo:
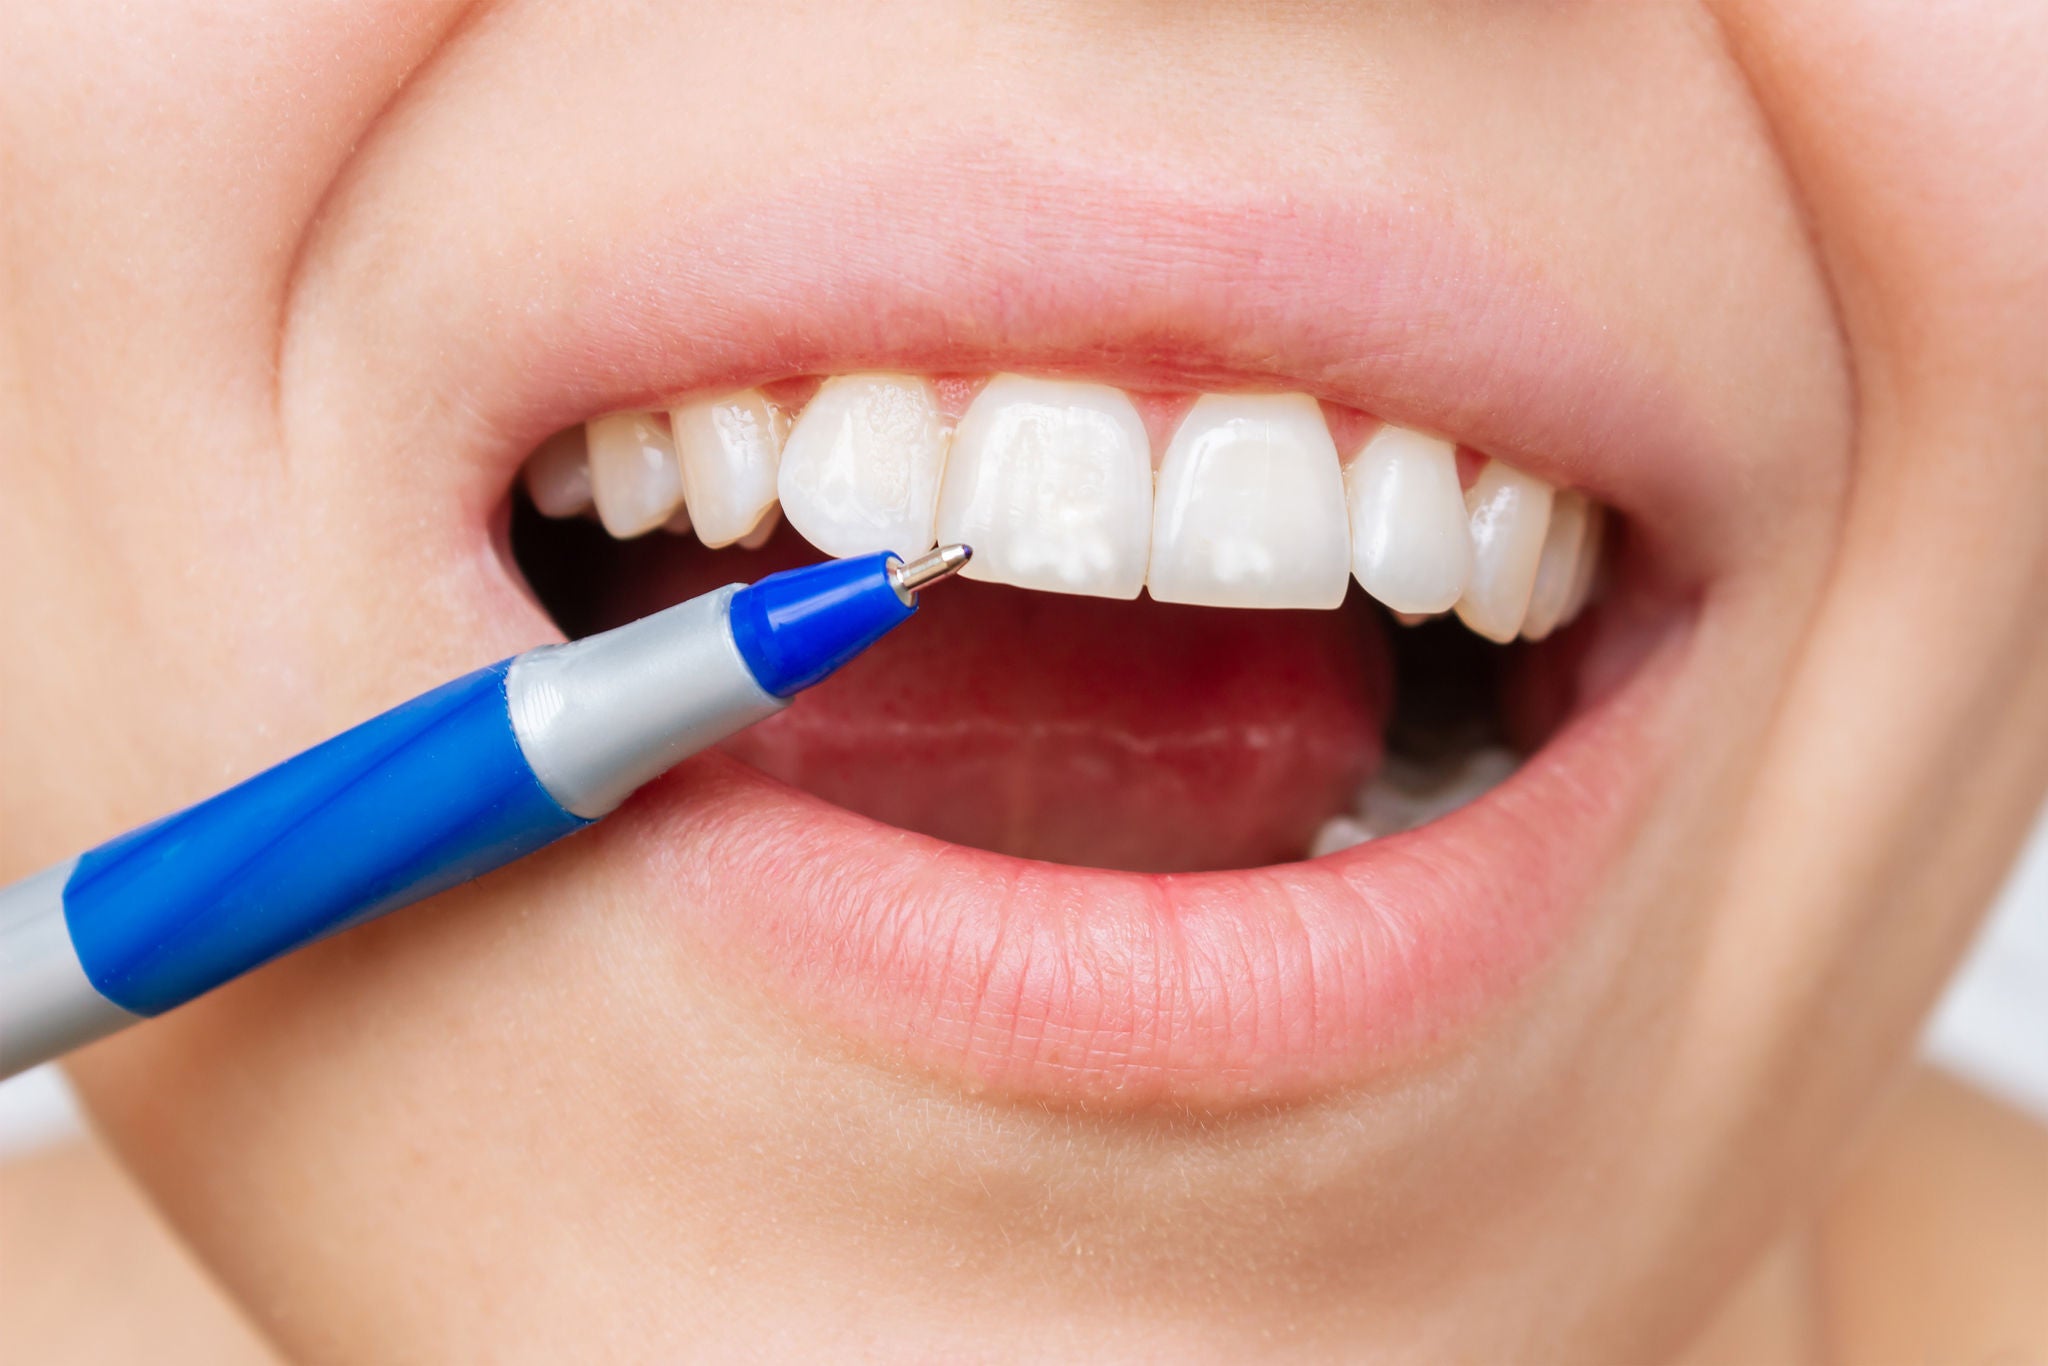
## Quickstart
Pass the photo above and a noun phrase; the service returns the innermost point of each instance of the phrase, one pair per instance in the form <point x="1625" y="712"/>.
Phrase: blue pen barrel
<point x="428" y="795"/>
<point x="432" y="793"/>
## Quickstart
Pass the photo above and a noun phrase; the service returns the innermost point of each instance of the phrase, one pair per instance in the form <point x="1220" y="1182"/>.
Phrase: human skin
<point x="262" y="266"/>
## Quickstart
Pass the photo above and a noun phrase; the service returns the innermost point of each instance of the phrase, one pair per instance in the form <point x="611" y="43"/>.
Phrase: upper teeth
<point x="1053" y="483"/>
<point x="1250" y="509"/>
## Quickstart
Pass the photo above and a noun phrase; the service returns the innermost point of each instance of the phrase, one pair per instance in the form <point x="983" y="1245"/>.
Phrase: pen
<point x="434" y="792"/>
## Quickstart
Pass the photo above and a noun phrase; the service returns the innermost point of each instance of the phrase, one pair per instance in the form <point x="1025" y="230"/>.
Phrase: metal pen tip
<point x="907" y="577"/>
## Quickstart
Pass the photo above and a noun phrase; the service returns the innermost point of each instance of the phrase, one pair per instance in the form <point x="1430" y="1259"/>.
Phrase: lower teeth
<point x="1407" y="793"/>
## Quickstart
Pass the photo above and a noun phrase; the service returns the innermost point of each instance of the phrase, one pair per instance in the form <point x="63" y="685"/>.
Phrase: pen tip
<point x="930" y="567"/>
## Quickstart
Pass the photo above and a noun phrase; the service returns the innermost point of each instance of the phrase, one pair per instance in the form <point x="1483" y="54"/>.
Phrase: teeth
<point x="763" y="530"/>
<point x="1405" y="795"/>
<point x="634" y="478"/>
<point x="1250" y="507"/>
<point x="1336" y="835"/>
<point x="1410" y="545"/>
<point x="860" y="473"/>
<point x="1589" y="561"/>
<point x="1509" y="512"/>
<point x="730" y="449"/>
<point x="1051" y="482"/>
<point x="558" y="475"/>
<point x="1557" y="569"/>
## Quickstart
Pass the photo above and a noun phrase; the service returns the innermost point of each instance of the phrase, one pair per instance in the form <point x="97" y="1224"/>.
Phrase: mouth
<point x="1313" y="676"/>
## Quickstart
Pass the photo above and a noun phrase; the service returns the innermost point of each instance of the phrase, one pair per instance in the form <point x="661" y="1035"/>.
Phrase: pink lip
<point x="1076" y="985"/>
<point x="1053" y="982"/>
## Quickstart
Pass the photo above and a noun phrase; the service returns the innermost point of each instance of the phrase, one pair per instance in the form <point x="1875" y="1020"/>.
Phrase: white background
<point x="1992" y="1027"/>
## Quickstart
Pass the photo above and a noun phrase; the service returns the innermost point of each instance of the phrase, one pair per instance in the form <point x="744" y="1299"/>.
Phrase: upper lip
<point x="966" y="259"/>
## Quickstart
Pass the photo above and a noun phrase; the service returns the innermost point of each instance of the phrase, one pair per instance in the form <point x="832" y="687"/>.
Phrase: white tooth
<point x="860" y="472"/>
<point x="730" y="449"/>
<point x="1411" y="546"/>
<point x="1337" y="834"/>
<point x="1051" y="482"/>
<point x="558" y="475"/>
<point x="763" y="530"/>
<point x="1250" y="507"/>
<point x="1558" y="567"/>
<point x="634" y="478"/>
<point x="1405" y="795"/>
<point x="1589" y="562"/>
<point x="678" y="523"/>
<point x="1509" y="511"/>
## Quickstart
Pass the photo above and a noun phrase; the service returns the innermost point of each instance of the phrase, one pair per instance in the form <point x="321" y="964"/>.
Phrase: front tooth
<point x="860" y="472"/>
<point x="1558" y="567"/>
<point x="1051" y="482"/>
<point x="730" y="449"/>
<point x="1410" y="544"/>
<point x="558" y="475"/>
<point x="1250" y="508"/>
<point x="1509" y="512"/>
<point x="634" y="478"/>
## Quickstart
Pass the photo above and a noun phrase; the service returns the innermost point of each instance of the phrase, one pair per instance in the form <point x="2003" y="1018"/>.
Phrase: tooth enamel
<point x="1405" y="795"/>
<point x="558" y="475"/>
<point x="1411" y="546"/>
<point x="1589" y="562"/>
<point x="1509" y="512"/>
<point x="763" y="530"/>
<point x="1250" y="507"/>
<point x="1337" y="834"/>
<point x="1558" y="567"/>
<point x="860" y="472"/>
<point x="634" y="478"/>
<point x="730" y="449"/>
<point x="1051" y="482"/>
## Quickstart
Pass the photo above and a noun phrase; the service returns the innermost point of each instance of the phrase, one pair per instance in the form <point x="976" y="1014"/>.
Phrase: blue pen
<point x="434" y="792"/>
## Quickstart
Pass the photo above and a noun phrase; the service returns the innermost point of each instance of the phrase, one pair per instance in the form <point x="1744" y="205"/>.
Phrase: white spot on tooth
<point x="1250" y="507"/>
<point x="860" y="472"/>
<point x="1051" y="482"/>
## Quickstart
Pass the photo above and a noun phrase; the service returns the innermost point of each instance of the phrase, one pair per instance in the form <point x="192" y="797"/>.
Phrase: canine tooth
<point x="1411" y="546"/>
<point x="558" y="475"/>
<point x="1250" y="507"/>
<point x="634" y="478"/>
<point x="860" y="472"/>
<point x="1337" y="834"/>
<point x="1509" y="512"/>
<point x="730" y="449"/>
<point x="1589" y="561"/>
<point x="1051" y="482"/>
<point x="1558" y="567"/>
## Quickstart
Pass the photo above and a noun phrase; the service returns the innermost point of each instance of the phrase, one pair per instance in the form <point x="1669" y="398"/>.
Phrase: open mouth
<point x="1249" y="712"/>
<point x="1335" y="570"/>
<point x="1186" y="765"/>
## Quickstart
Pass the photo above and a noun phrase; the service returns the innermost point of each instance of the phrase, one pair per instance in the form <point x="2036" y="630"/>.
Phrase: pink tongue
<point x="1107" y="734"/>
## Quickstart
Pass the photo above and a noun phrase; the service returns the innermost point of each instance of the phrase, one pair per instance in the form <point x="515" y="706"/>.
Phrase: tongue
<point x="1107" y="734"/>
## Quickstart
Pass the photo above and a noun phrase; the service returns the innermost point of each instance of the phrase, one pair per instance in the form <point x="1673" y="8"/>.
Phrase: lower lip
<point x="1084" y="987"/>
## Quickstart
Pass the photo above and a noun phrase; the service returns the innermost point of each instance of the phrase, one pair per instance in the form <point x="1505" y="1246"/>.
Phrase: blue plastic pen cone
<point x="795" y="628"/>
